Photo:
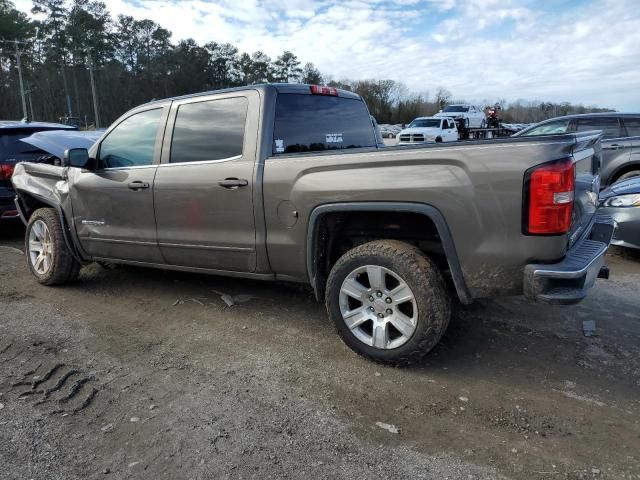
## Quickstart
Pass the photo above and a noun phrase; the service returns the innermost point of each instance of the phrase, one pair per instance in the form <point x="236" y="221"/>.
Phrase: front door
<point x="112" y="204"/>
<point x="616" y="150"/>
<point x="204" y="186"/>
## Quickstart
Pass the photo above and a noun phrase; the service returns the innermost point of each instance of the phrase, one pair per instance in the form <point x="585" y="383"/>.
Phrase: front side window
<point x="306" y="123"/>
<point x="209" y="130"/>
<point x="550" y="128"/>
<point x="633" y="126"/>
<point x="609" y="126"/>
<point x="132" y="142"/>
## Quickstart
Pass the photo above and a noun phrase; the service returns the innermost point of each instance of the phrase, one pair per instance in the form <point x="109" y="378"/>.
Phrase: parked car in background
<point x="429" y="130"/>
<point x="12" y="151"/>
<point x="621" y="201"/>
<point x="620" y="140"/>
<point x="470" y="115"/>
<point x="389" y="131"/>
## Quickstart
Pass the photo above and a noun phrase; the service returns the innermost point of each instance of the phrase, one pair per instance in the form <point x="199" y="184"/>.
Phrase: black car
<point x="12" y="151"/>
<point x="620" y="140"/>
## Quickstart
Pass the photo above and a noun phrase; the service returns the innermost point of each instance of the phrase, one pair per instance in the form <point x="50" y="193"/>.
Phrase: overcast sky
<point x="582" y="51"/>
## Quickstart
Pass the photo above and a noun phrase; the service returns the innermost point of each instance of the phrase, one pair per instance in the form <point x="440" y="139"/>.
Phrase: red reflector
<point x="322" y="90"/>
<point x="10" y="213"/>
<point x="551" y="190"/>
<point x="6" y="171"/>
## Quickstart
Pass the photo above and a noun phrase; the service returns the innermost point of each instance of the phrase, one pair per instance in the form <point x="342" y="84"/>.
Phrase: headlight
<point x="632" y="200"/>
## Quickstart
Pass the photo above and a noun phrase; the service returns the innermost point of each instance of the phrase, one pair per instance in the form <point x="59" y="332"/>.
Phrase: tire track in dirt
<point x="67" y="389"/>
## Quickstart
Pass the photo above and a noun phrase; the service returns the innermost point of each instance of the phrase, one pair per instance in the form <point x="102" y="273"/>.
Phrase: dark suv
<point x="620" y="140"/>
<point x="12" y="151"/>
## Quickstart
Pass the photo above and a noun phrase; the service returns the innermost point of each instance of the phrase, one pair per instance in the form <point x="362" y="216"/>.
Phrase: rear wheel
<point x="388" y="302"/>
<point x="48" y="257"/>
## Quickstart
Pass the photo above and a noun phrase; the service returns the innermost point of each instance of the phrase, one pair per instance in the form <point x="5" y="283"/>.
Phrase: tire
<point x="373" y="333"/>
<point x="627" y="175"/>
<point x="438" y="139"/>
<point x="57" y="265"/>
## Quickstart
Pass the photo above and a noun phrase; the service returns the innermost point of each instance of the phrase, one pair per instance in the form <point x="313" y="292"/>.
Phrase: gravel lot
<point x="133" y="373"/>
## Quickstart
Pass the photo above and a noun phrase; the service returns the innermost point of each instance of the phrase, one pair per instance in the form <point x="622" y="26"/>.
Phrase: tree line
<point x="134" y="61"/>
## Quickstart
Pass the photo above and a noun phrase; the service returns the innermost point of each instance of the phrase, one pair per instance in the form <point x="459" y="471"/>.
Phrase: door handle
<point x="233" y="183"/>
<point x="614" y="146"/>
<point x="138" y="185"/>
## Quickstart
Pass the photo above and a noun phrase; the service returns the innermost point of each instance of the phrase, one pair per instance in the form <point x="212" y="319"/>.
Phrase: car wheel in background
<point x="388" y="302"/>
<point x="627" y="175"/>
<point x="48" y="257"/>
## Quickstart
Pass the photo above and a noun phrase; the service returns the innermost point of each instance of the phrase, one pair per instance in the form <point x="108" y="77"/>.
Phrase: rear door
<point x="113" y="204"/>
<point x="204" y="187"/>
<point x="616" y="149"/>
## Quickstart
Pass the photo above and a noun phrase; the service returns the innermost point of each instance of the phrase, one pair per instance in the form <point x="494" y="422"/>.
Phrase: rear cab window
<point x="13" y="150"/>
<point x="315" y="123"/>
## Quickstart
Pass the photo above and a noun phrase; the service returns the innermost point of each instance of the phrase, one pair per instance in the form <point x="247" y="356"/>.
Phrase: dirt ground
<point x="133" y="373"/>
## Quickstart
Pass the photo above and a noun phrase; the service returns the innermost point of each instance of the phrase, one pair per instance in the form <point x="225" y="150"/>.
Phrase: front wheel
<point x="388" y="302"/>
<point x="48" y="256"/>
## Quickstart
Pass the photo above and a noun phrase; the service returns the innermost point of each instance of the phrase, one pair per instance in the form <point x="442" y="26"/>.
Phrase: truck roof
<point x="299" y="88"/>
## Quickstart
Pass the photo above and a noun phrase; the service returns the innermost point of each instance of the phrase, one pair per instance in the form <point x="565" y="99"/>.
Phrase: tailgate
<point x="587" y="156"/>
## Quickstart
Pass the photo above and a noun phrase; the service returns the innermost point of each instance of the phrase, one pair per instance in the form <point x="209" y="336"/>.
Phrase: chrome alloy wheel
<point x="378" y="307"/>
<point x="40" y="247"/>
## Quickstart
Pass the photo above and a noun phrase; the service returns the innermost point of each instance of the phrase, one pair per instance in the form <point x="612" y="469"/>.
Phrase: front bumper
<point x="569" y="280"/>
<point x="7" y="207"/>
<point x="627" y="220"/>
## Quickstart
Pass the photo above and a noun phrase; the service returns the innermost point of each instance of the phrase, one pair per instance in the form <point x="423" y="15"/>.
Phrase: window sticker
<point x="334" y="138"/>
<point x="279" y="146"/>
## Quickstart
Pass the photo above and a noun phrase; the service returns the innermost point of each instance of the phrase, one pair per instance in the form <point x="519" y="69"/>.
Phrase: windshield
<point x="425" y="123"/>
<point x="456" y="108"/>
<point x="550" y="128"/>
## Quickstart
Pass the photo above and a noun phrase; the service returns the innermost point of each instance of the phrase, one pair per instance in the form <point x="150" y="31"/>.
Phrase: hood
<point x="422" y="130"/>
<point x="626" y="187"/>
<point x="56" y="142"/>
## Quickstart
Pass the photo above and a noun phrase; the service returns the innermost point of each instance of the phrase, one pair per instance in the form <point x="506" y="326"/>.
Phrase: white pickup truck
<point x="429" y="130"/>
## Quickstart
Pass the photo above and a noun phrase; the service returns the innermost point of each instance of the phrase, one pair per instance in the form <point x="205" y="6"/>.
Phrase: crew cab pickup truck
<point x="429" y="130"/>
<point x="285" y="182"/>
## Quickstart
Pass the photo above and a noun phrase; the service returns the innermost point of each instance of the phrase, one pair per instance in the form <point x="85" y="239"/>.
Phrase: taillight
<point x="549" y="193"/>
<point x="6" y="171"/>
<point x="322" y="90"/>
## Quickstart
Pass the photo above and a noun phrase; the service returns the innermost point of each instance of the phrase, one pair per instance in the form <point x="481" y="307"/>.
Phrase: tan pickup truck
<point x="287" y="182"/>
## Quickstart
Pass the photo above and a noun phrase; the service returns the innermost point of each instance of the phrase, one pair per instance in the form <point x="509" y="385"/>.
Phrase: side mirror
<point x="76" y="157"/>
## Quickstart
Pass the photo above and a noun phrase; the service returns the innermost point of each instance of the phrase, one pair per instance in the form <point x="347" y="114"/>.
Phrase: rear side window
<point x="209" y="130"/>
<point x="633" y="126"/>
<point x="609" y="126"/>
<point x="310" y="123"/>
